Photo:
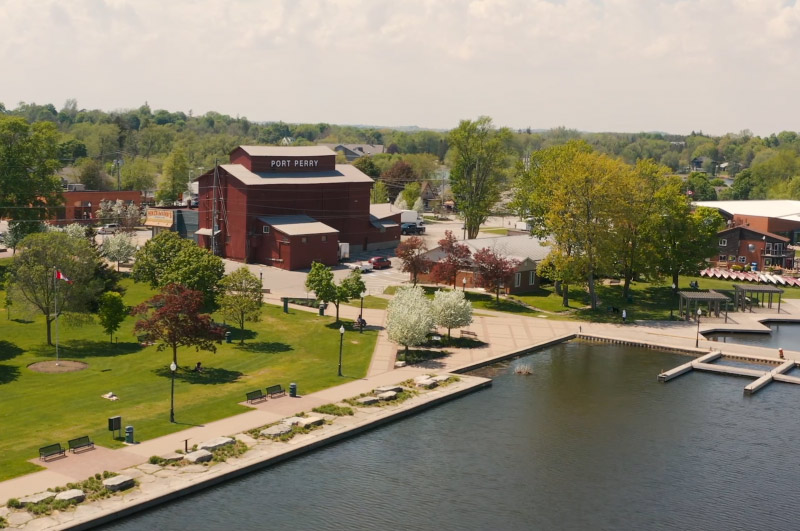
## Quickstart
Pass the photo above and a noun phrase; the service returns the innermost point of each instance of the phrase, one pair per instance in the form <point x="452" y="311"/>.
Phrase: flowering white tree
<point x="127" y="215"/>
<point x="119" y="248"/>
<point x="409" y="317"/>
<point x="418" y="206"/>
<point x="451" y="310"/>
<point x="400" y="203"/>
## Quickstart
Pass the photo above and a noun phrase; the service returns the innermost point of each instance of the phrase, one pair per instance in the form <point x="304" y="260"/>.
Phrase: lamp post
<point x="672" y="305"/>
<point x="172" y="367"/>
<point x="360" y="315"/>
<point x="697" y="337"/>
<point x="341" y="342"/>
<point x="464" y="284"/>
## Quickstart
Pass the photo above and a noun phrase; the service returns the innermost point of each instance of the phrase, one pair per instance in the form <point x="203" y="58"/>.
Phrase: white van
<point x="109" y="228"/>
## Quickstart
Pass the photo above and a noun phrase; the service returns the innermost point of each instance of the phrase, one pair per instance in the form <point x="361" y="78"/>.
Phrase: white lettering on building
<point x="297" y="163"/>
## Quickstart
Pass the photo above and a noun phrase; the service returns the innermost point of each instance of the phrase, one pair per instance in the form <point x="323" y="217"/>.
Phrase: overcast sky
<point x="595" y="65"/>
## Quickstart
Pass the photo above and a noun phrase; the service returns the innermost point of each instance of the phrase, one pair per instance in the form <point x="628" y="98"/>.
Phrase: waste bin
<point x="285" y="304"/>
<point x="227" y="337"/>
<point x="322" y="309"/>
<point x="293" y="389"/>
<point x="129" y="434"/>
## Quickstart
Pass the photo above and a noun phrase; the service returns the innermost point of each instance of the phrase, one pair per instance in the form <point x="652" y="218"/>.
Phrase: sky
<point x="674" y="66"/>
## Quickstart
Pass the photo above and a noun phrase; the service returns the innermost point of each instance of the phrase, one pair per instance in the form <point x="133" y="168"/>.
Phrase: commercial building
<point x="289" y="206"/>
<point x="760" y="233"/>
<point x="82" y="206"/>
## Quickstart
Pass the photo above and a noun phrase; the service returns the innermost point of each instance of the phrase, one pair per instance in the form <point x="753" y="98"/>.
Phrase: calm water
<point x="589" y="441"/>
<point x="786" y="335"/>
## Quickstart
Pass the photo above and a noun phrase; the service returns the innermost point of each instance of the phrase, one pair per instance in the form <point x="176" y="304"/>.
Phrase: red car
<point x="379" y="262"/>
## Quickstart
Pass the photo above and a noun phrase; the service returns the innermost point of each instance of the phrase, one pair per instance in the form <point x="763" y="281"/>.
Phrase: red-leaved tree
<point x="493" y="270"/>
<point x="410" y="252"/>
<point x="173" y="319"/>
<point x="456" y="258"/>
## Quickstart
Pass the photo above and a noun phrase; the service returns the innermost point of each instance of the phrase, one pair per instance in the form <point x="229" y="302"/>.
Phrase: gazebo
<point x="690" y="301"/>
<point x="745" y="295"/>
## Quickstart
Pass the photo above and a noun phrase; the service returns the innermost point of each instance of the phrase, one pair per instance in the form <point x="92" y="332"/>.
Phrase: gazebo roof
<point x="703" y="296"/>
<point x="758" y="288"/>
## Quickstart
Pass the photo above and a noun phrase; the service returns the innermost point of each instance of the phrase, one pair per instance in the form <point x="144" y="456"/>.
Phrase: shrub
<point x="13" y="503"/>
<point x="333" y="409"/>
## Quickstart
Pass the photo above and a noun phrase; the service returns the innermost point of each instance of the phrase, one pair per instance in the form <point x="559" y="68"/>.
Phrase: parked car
<point x="409" y="228"/>
<point x="109" y="228"/>
<point x="364" y="267"/>
<point x="379" y="262"/>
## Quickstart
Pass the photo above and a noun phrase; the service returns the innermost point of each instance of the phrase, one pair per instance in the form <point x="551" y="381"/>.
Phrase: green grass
<point x="39" y="409"/>
<point x="496" y="230"/>
<point x="371" y="302"/>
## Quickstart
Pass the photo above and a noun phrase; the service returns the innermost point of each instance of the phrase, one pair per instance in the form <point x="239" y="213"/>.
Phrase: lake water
<point x="590" y="440"/>
<point x="784" y="335"/>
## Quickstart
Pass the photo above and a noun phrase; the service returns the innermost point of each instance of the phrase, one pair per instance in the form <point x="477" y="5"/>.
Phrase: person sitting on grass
<point x="198" y="367"/>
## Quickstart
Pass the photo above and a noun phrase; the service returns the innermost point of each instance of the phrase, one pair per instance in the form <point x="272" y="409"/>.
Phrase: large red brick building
<point x="287" y="207"/>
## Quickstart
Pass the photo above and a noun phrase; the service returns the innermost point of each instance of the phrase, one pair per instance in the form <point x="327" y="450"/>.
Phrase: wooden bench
<point x="275" y="390"/>
<point x="50" y="451"/>
<point x="469" y="333"/>
<point x="80" y="442"/>
<point x="254" y="396"/>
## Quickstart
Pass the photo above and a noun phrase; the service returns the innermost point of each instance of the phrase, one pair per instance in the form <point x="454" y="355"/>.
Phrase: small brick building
<point x="81" y="207"/>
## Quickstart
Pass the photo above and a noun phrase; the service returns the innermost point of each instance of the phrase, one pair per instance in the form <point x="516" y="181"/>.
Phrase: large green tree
<point x="29" y="188"/>
<point x="174" y="177"/>
<point x="168" y="259"/>
<point x="240" y="298"/>
<point x="111" y="313"/>
<point x="320" y="281"/>
<point x="478" y="159"/>
<point x="33" y="275"/>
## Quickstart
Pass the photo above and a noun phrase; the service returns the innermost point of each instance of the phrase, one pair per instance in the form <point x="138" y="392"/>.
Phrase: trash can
<point x="129" y="434"/>
<point x="227" y="337"/>
<point x="285" y="304"/>
<point x="322" y="309"/>
<point x="293" y="389"/>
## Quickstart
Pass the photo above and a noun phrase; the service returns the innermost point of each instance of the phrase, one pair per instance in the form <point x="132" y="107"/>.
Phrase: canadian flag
<point x="61" y="276"/>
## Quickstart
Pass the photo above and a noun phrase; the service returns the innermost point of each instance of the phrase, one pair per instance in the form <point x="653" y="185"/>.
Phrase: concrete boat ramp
<point x="704" y="363"/>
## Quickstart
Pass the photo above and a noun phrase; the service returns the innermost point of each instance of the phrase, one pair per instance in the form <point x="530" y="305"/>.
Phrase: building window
<point x="265" y="229"/>
<point x="723" y="258"/>
<point x="303" y="240"/>
<point x="324" y="238"/>
<point x="517" y="279"/>
<point x="768" y="248"/>
<point x="742" y="259"/>
<point x="731" y="258"/>
<point x="777" y="248"/>
<point x="723" y="242"/>
<point x="532" y="278"/>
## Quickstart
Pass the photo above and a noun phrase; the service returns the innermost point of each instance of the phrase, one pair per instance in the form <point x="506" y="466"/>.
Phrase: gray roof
<point x="287" y="151"/>
<point x="344" y="173"/>
<point x="518" y="247"/>
<point x="297" y="225"/>
<point x="383" y="210"/>
<point x="359" y="149"/>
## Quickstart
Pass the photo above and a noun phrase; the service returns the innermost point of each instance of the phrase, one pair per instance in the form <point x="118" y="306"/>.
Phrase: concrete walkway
<point x="503" y="334"/>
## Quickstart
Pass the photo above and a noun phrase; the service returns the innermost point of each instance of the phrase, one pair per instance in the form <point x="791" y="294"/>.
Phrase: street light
<point x="172" y="368"/>
<point x="697" y="337"/>
<point x="341" y="342"/>
<point x="671" y="306"/>
<point x="464" y="284"/>
<point x="360" y="315"/>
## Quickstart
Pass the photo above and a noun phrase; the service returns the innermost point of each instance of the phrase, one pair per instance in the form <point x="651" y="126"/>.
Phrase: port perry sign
<point x="293" y="163"/>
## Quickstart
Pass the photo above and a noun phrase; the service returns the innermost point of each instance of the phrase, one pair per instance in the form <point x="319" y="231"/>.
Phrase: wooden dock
<point x="763" y="377"/>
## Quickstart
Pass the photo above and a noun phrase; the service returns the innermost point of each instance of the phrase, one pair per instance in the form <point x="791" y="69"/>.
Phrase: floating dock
<point x="703" y="363"/>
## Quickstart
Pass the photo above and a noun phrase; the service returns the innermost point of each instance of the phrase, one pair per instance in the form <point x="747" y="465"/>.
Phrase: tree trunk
<point x="626" y="288"/>
<point x="565" y="296"/>
<point x="592" y="294"/>
<point x="448" y="335"/>
<point x="557" y="287"/>
<point x="337" y="310"/>
<point x="175" y="356"/>
<point x="497" y="294"/>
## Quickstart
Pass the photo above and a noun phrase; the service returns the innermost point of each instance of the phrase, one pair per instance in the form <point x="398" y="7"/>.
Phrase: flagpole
<point x="55" y="303"/>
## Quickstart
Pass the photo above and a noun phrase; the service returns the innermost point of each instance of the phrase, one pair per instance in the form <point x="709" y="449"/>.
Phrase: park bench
<point x="80" y="442"/>
<point x="469" y="333"/>
<point x="275" y="390"/>
<point x="256" y="395"/>
<point x="51" y="450"/>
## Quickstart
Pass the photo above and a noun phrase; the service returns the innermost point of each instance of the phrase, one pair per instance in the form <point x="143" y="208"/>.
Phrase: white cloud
<point x="675" y="65"/>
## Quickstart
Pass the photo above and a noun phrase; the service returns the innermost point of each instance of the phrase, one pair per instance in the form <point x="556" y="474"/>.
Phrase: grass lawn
<point x="370" y="302"/>
<point x="39" y="409"/>
<point x="497" y="230"/>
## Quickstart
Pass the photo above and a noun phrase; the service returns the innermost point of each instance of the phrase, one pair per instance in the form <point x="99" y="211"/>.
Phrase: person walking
<point x="624" y="316"/>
